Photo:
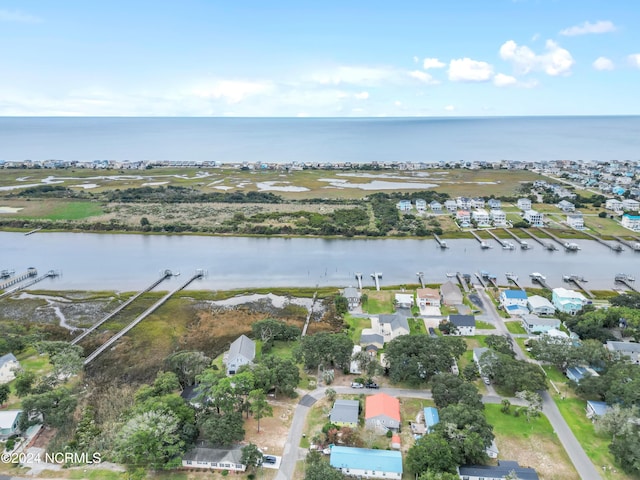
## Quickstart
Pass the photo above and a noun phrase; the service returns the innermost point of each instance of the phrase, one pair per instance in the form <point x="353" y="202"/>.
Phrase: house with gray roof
<point x="497" y="472"/>
<point x="393" y="325"/>
<point x="9" y="423"/>
<point x="465" y="324"/>
<point x="215" y="458"/>
<point x="352" y="295"/>
<point x="345" y="413"/>
<point x="451" y="293"/>
<point x="241" y="352"/>
<point x="535" y="324"/>
<point x="540" y="305"/>
<point x="8" y="364"/>
<point x="369" y="338"/>
<point x="630" y="350"/>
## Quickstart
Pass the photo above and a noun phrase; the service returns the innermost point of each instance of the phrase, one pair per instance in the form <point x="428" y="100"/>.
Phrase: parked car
<point x="356" y="385"/>
<point x="372" y="385"/>
<point x="270" y="459"/>
<point x="486" y="380"/>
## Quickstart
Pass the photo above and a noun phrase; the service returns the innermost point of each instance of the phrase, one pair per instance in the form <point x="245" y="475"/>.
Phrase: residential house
<point x="404" y="300"/>
<point x="345" y="413"/>
<point x="524" y="204"/>
<point x="354" y="366"/>
<point x="576" y="220"/>
<point x="463" y="218"/>
<point x="436" y="207"/>
<point x="540" y="306"/>
<point x="596" y="409"/>
<point x="614" y="205"/>
<point x="370" y="338"/>
<point x="451" y="206"/>
<point x="494" y="204"/>
<point x="463" y="203"/>
<point x="9" y="423"/>
<point x="534" y="217"/>
<point x="492" y="450"/>
<point x="393" y="325"/>
<point x="498" y="217"/>
<point x="382" y="412"/>
<point x="481" y="217"/>
<point x="366" y="463"/>
<point x="215" y="458"/>
<point x="630" y="205"/>
<point x="513" y="297"/>
<point x="630" y="350"/>
<point x="241" y="352"/>
<point x="352" y="295"/>
<point x="477" y="202"/>
<point x="396" y="442"/>
<point x="568" y="301"/>
<point x="431" y="418"/>
<point x="632" y="222"/>
<point x="404" y="205"/>
<point x="465" y="324"/>
<point x="566" y="206"/>
<point x="451" y="294"/>
<point x="504" y="469"/>
<point x="428" y="297"/>
<point x="578" y="373"/>
<point x="534" y="324"/>
<point x="421" y="205"/>
<point x="8" y="365"/>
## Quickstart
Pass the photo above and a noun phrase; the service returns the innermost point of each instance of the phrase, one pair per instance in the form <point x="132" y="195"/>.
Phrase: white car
<point x="356" y="385"/>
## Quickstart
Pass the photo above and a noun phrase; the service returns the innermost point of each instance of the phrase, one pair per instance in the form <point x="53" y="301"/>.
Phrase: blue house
<point x="431" y="418"/>
<point x="578" y="373"/>
<point x="596" y="409"/>
<point x="367" y="463"/>
<point x="568" y="301"/>
<point x="404" y="205"/>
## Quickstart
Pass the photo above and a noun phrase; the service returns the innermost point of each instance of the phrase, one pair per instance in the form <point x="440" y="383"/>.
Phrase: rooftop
<point x="382" y="404"/>
<point x="366" y="459"/>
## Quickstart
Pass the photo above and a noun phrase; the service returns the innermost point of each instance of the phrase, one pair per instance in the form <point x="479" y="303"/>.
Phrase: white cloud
<point x="397" y="103"/>
<point x="601" y="26"/>
<point x="432" y="63"/>
<point x="603" y="63"/>
<point x="233" y="91"/>
<point x="449" y="108"/>
<point x="18" y="17"/>
<point x="362" y="95"/>
<point x="556" y="61"/>
<point x="502" y="80"/>
<point x="423" y="77"/>
<point x="634" y="59"/>
<point x="535" y="37"/>
<point x="467" y="70"/>
<point x="365" y="76"/>
<point x="416" y="59"/>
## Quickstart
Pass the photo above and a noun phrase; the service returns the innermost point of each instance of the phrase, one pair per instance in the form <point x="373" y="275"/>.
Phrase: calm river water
<point x="131" y="262"/>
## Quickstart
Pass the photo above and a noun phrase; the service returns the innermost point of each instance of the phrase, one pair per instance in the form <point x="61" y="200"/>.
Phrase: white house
<point x="463" y="217"/>
<point x="626" y="349"/>
<point x="494" y="204"/>
<point x="481" y="217"/>
<point x="214" y="458"/>
<point x="366" y="463"/>
<point x="404" y="205"/>
<point x="498" y="217"/>
<point x="352" y="295"/>
<point x="477" y="202"/>
<point x="534" y="217"/>
<point x="436" y="207"/>
<point x="566" y="206"/>
<point x="524" y="204"/>
<point x="428" y="297"/>
<point x="465" y="324"/>
<point x="568" y="301"/>
<point x="576" y="220"/>
<point x="534" y="324"/>
<point x="404" y="300"/>
<point x="9" y="423"/>
<point x="632" y="222"/>
<point x="513" y="297"/>
<point x="540" y="306"/>
<point x="614" y="205"/>
<point x="241" y="352"/>
<point x="8" y="364"/>
<point x="630" y="205"/>
<point x="421" y="205"/>
<point x="391" y="325"/>
<point x="463" y="203"/>
<point x="451" y="205"/>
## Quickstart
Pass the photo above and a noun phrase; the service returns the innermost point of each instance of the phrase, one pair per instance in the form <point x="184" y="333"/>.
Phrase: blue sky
<point x="330" y="58"/>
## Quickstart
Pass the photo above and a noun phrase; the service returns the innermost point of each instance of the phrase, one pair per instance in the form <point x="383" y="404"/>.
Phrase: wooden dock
<point x="33" y="281"/>
<point x="462" y="281"/>
<point x="483" y="244"/>
<point x="615" y="248"/>
<point x="359" y="279"/>
<point x="480" y="279"/>
<point x="635" y="246"/>
<point x="513" y="279"/>
<point x="145" y="314"/>
<point x="549" y="246"/>
<point x="109" y="316"/>
<point x="30" y="273"/>
<point x="537" y="278"/>
<point x="568" y="246"/>
<point x="504" y="244"/>
<point x="421" y="278"/>
<point x="578" y="282"/>
<point x="33" y="231"/>
<point x="441" y="243"/>
<point x="523" y="243"/>
<point x="376" y="278"/>
<point x="626" y="281"/>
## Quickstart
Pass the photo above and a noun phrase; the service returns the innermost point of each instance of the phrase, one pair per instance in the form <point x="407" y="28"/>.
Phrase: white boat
<point x="538" y="276"/>
<point x="450" y="275"/>
<point x="511" y="276"/>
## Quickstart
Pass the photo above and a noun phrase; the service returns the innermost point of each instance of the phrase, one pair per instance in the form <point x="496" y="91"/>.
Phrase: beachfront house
<point x="345" y="413"/>
<point x="540" y="306"/>
<point x="465" y="325"/>
<point x="382" y="412"/>
<point x="477" y="202"/>
<point x="513" y="297"/>
<point x="534" y="217"/>
<point x="431" y="418"/>
<point x="421" y="205"/>
<point x="630" y="205"/>
<point x="481" y="217"/>
<point x="498" y="217"/>
<point x="524" y="204"/>
<point x="494" y="204"/>
<point x="215" y="458"/>
<point x="241" y="352"/>
<point x="366" y="463"/>
<point x="403" y="300"/>
<point x="632" y="222"/>
<point x="535" y="325"/>
<point x="463" y="217"/>
<point x="436" y="207"/>
<point x="576" y="220"/>
<point x="404" y="205"/>
<point x="630" y="350"/>
<point x="504" y="469"/>
<point x="566" y="206"/>
<point x="352" y="295"/>
<point x="451" y="206"/>
<point x="9" y="423"/>
<point x="8" y="366"/>
<point x="451" y="294"/>
<point x="614" y="205"/>
<point x="428" y="297"/>
<point x="568" y="301"/>
<point x="463" y="203"/>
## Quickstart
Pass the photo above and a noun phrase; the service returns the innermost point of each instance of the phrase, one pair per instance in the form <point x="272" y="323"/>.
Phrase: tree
<point x="368" y="364"/>
<point x="187" y="366"/>
<point x="614" y="421"/>
<point x="342" y="304"/>
<point x="86" y="431"/>
<point x="329" y="392"/>
<point x="328" y="349"/>
<point x="431" y="452"/>
<point x="55" y="406"/>
<point x="5" y="390"/>
<point x="284" y="373"/>
<point x="23" y="382"/>
<point x="321" y="470"/>
<point x="557" y="351"/>
<point x="506" y="406"/>
<point x="625" y="447"/>
<point x="432" y="475"/>
<point x="251" y="456"/>
<point x="152" y="439"/>
<point x="470" y="372"/>
<point x="500" y="343"/>
<point x="260" y="408"/>
<point x="467" y="432"/>
<point x="449" y="389"/>
<point x="534" y="403"/>
<point x="222" y="430"/>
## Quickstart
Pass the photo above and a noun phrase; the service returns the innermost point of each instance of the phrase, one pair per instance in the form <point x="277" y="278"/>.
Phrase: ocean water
<point x="355" y="140"/>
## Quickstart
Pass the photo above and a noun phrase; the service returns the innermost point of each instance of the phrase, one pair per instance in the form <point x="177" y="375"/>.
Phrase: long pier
<point x="33" y="281"/>
<point x="421" y="278"/>
<point x="626" y="281"/>
<point x="33" y="231"/>
<point x="549" y="246"/>
<point x="441" y="243"/>
<point x="503" y="244"/>
<point x="578" y="283"/>
<point x="569" y="246"/>
<point x="615" y="248"/>
<point x="483" y="244"/>
<point x="481" y="280"/>
<point x="635" y="246"/>
<point x="145" y="314"/>
<point x="523" y="243"/>
<point x="359" y="279"/>
<point x="376" y="278"/>
<point x="31" y="272"/>
<point x="462" y="281"/>
<point x="541" y="281"/>
<point x="513" y="279"/>
<point x="109" y="316"/>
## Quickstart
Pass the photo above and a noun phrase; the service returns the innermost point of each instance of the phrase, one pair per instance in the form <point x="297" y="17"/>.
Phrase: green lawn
<point x="76" y="210"/>
<point x="484" y="325"/>
<point x="380" y="305"/>
<point x="356" y="325"/>
<point x="515" y="327"/>
<point x="416" y="326"/>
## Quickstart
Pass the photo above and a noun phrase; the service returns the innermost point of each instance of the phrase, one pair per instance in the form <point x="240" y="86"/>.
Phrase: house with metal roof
<point x="630" y="350"/>
<point x="513" y="297"/>
<point x="576" y="374"/>
<point x="465" y="324"/>
<point x="540" y="306"/>
<point x="352" y="295"/>
<point x="497" y="472"/>
<point x="215" y="458"/>
<point x="8" y="364"/>
<point x="596" y="409"/>
<point x="534" y="324"/>
<point x="431" y="418"/>
<point x="382" y="412"/>
<point x="241" y="352"/>
<point x="568" y="301"/>
<point x="345" y="413"/>
<point x="9" y="423"/>
<point x="366" y="463"/>
<point x="451" y="293"/>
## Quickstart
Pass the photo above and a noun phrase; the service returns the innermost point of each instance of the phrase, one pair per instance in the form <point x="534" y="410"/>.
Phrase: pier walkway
<point x="578" y="282"/>
<point x="569" y="246"/>
<point x="145" y="314"/>
<point x="441" y="243"/>
<point x="615" y="248"/>
<point x="463" y="281"/>
<point x="548" y="246"/>
<point x="504" y="244"/>
<point x="541" y="280"/>
<point x="31" y="272"/>
<point x="421" y="278"/>
<point x="33" y="281"/>
<point x="523" y="243"/>
<point x="626" y="281"/>
<point x="635" y="246"/>
<point x="483" y="244"/>
<point x="109" y="316"/>
<point x="376" y="278"/>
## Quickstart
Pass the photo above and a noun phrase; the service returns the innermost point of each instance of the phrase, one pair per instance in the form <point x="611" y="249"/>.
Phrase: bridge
<point x="109" y="316"/>
<point x="549" y="246"/>
<point x="33" y="281"/>
<point x="145" y="314"/>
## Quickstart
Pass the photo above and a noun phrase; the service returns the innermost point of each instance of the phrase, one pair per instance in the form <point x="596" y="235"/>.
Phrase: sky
<point x="347" y="58"/>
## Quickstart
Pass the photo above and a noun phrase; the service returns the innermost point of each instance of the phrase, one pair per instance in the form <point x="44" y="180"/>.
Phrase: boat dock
<point x="578" y="282"/>
<point x="523" y="243"/>
<point x="109" y="316"/>
<point x="33" y="231"/>
<point x="145" y="314"/>
<point x="441" y="243"/>
<point x="504" y="244"/>
<point x="31" y="272"/>
<point x="626" y="281"/>
<point x="33" y="281"/>
<point x="615" y="248"/>
<point x="6" y="274"/>
<point x="540" y="279"/>
<point x="489" y="278"/>
<point x="463" y="281"/>
<point x="568" y="246"/>
<point x="376" y="278"/>
<point x="635" y="246"/>
<point x="548" y="246"/>
<point x="359" y="279"/>
<point x="483" y="244"/>
<point x="513" y="278"/>
<point x="421" y="278"/>
<point x="481" y="280"/>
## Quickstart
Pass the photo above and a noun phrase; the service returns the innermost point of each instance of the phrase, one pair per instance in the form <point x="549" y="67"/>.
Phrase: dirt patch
<point x="273" y="430"/>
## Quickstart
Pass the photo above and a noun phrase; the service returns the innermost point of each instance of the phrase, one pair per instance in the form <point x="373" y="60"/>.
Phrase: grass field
<point x="515" y="327"/>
